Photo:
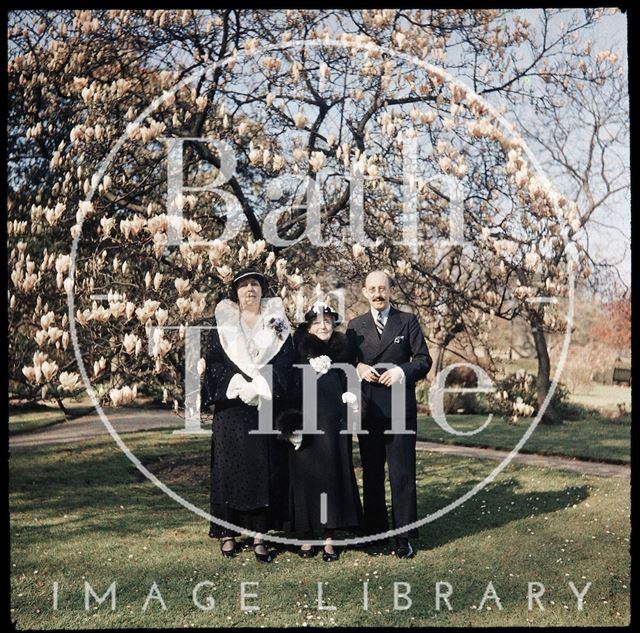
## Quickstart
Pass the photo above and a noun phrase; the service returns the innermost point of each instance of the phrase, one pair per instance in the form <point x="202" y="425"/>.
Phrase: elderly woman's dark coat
<point x="249" y="479"/>
<point x="323" y="463"/>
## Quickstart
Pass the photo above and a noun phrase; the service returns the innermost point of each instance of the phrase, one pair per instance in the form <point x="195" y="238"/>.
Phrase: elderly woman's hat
<point x="321" y="307"/>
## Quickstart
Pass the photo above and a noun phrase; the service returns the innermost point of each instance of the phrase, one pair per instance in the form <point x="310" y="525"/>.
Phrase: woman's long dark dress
<point x="324" y="463"/>
<point x="249" y="478"/>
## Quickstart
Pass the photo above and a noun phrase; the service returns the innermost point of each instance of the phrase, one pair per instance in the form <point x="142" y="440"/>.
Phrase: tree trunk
<point x="61" y="405"/>
<point x="439" y="359"/>
<point x="543" y="383"/>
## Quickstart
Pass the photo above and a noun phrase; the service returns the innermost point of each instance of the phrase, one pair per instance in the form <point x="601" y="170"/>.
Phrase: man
<point x="386" y="335"/>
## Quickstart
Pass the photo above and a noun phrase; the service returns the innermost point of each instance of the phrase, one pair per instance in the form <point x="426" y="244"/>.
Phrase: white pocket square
<point x="398" y="339"/>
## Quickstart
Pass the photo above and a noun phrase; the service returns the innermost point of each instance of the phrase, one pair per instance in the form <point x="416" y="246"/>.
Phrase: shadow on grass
<point x="495" y="506"/>
<point x="96" y="488"/>
<point x="30" y="417"/>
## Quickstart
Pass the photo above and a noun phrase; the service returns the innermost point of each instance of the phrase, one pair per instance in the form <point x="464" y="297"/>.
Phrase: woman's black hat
<point x="320" y="307"/>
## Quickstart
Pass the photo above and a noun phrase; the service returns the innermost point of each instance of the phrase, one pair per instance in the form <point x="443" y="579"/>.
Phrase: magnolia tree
<point x="153" y="153"/>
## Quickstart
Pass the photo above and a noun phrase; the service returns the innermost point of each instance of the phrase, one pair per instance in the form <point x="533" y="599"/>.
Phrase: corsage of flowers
<point x="278" y="325"/>
<point x="321" y="364"/>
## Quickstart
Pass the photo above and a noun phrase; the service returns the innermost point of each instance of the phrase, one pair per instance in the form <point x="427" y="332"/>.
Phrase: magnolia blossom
<point x="30" y="374"/>
<point x="100" y="314"/>
<point x="358" y="251"/>
<point x="158" y="224"/>
<point x="159" y="241"/>
<point x="162" y="316"/>
<point x="300" y="119"/>
<point x="271" y="257"/>
<point x="69" y="381"/>
<point x="130" y="341"/>
<point x="255" y="249"/>
<point x="225" y="273"/>
<point x="198" y="304"/>
<point x="46" y="320"/>
<point x="531" y="260"/>
<point x="99" y="366"/>
<point x="317" y="160"/>
<point x="85" y="210"/>
<point x="131" y="228"/>
<point x="49" y="370"/>
<point x="217" y="250"/>
<point x="54" y="333"/>
<point x="147" y="310"/>
<point x="117" y="309"/>
<point x="295" y="281"/>
<point x="161" y="346"/>
<point x="107" y="225"/>
<point x="123" y="396"/>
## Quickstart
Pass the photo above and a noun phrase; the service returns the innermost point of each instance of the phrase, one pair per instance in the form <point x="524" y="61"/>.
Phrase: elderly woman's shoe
<point x="328" y="557"/>
<point x="262" y="556"/>
<point x="227" y="550"/>
<point x="307" y="553"/>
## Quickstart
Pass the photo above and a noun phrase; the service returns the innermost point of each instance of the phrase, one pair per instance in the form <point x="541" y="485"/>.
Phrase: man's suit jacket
<point x="402" y="343"/>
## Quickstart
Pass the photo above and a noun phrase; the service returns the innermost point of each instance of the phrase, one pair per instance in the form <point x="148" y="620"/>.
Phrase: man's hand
<point x="368" y="373"/>
<point x="391" y="376"/>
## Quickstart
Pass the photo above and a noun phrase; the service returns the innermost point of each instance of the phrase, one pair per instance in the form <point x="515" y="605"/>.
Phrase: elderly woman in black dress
<point x="248" y="471"/>
<point x="322" y="464"/>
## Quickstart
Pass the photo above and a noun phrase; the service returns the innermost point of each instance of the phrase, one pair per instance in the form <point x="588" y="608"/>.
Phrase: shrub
<point x="516" y="395"/>
<point x="454" y="401"/>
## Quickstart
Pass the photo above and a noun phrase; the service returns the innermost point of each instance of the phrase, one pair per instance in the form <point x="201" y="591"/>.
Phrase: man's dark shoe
<point x="404" y="549"/>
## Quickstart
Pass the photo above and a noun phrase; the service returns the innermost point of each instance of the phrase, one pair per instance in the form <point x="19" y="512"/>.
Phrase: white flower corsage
<point x="321" y="364"/>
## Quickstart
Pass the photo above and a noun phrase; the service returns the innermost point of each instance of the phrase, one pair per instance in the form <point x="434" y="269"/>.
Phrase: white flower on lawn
<point x="321" y="364"/>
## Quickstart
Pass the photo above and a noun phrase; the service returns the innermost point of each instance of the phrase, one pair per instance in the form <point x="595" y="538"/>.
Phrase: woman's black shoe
<point x="307" y="553"/>
<point x="262" y="558"/>
<point x="328" y="557"/>
<point x="228" y="553"/>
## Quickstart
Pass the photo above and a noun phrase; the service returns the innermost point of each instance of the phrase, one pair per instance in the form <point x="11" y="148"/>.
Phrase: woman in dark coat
<point x="323" y="463"/>
<point x="249" y="480"/>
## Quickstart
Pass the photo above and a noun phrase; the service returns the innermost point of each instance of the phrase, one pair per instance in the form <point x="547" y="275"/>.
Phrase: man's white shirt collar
<point x="384" y="313"/>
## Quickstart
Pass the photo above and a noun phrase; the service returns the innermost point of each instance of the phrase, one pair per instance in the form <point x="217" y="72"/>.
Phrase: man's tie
<point x="379" y="324"/>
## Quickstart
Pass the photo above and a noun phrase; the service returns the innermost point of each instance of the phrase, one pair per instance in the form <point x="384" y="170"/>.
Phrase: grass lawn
<point x="602" y="397"/>
<point x="83" y="513"/>
<point x="34" y="417"/>
<point x="597" y="439"/>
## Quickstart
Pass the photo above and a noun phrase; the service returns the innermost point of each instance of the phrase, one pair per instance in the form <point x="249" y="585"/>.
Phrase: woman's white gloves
<point x="351" y="400"/>
<point x="250" y="393"/>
